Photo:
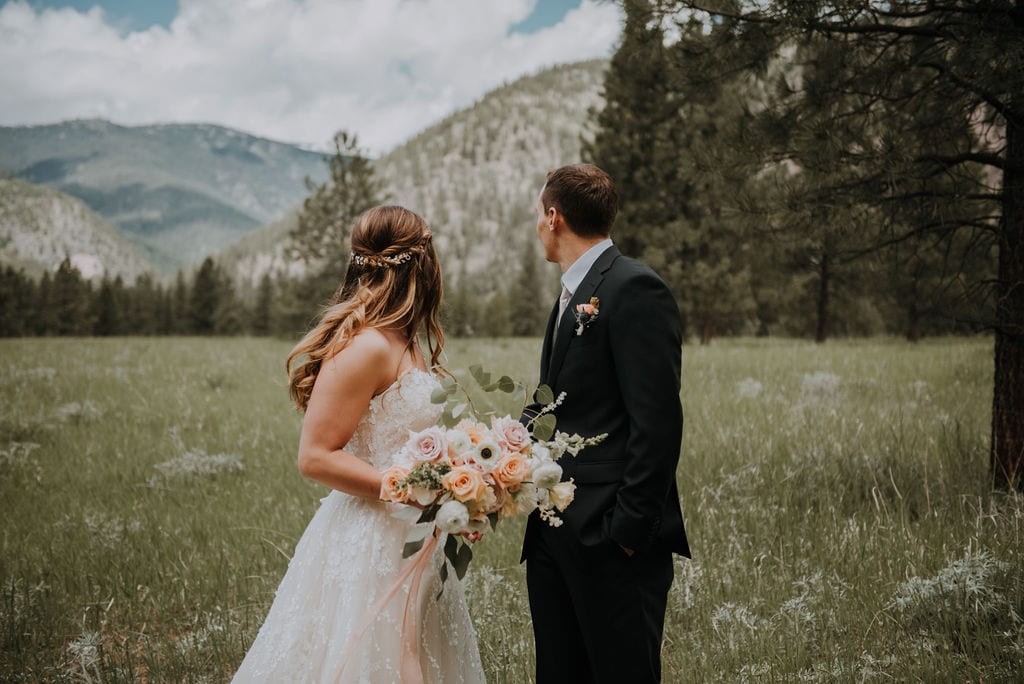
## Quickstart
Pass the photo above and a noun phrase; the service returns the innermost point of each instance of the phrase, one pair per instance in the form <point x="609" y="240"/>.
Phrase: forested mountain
<point x="474" y="176"/>
<point x="182" y="191"/>
<point x="40" y="226"/>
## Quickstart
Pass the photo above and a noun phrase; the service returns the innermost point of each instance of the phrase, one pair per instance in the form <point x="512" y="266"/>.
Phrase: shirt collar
<point x="575" y="274"/>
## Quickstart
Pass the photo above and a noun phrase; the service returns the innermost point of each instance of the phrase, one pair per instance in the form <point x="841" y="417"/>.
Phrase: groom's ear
<point x="554" y="218"/>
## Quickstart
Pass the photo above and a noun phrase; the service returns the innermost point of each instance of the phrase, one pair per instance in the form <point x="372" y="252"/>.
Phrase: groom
<point x="598" y="584"/>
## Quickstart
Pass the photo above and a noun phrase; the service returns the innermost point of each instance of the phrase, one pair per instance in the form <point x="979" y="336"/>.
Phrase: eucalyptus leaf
<point x="462" y="559"/>
<point x="477" y="371"/>
<point x="428" y="513"/>
<point x="439" y="396"/>
<point x="519" y="398"/>
<point x="411" y="548"/>
<point x="493" y="519"/>
<point x="544" y="395"/>
<point x="451" y="549"/>
<point x="506" y="384"/>
<point x="544" y="427"/>
<point x="448" y="384"/>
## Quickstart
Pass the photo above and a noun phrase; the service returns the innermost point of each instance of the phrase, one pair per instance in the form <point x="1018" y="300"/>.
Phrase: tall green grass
<point x="836" y="496"/>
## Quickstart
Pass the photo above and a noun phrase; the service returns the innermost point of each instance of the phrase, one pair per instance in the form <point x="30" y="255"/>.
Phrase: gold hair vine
<point x="382" y="261"/>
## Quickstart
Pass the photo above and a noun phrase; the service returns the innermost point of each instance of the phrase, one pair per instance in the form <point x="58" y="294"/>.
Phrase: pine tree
<point x="262" y="315"/>
<point x="70" y="300"/>
<point x="45" y="320"/>
<point x="527" y="297"/>
<point x="629" y="139"/>
<point x="206" y="298"/>
<point x="107" y="310"/>
<point x="17" y="296"/>
<point x="938" y="90"/>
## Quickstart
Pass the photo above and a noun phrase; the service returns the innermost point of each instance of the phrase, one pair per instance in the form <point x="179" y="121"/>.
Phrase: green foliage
<point x="322" y="234"/>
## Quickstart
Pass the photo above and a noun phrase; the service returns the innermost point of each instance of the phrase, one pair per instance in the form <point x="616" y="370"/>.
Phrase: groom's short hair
<point x="585" y="196"/>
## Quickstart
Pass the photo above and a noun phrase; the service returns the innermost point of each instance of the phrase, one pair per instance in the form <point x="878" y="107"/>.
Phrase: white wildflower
<point x="748" y="388"/>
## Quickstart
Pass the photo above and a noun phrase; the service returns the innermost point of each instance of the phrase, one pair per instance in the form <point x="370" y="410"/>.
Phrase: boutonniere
<point x="587" y="314"/>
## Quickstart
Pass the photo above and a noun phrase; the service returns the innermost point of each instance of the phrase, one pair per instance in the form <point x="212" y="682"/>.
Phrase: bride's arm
<point x="340" y="396"/>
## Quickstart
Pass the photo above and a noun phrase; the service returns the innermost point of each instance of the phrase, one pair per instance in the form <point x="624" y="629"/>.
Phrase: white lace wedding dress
<point x="347" y="559"/>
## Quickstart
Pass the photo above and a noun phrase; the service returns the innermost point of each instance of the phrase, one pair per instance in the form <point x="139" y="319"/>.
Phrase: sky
<point x="291" y="70"/>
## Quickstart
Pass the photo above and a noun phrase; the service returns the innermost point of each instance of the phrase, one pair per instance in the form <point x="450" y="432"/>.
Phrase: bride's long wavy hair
<point x="393" y="281"/>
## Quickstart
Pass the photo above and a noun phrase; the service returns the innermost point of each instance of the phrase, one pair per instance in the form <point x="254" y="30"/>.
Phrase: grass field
<point x="836" y="498"/>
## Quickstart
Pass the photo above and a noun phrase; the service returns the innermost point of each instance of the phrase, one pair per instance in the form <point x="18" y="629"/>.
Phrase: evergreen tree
<point x="17" y="298"/>
<point x="527" y="297"/>
<point x="206" y="298"/>
<point x="629" y="141"/>
<point x="70" y="300"/>
<point x="262" y="315"/>
<point x="938" y="89"/>
<point x="107" y="310"/>
<point x="45" y="320"/>
<point x="180" y="308"/>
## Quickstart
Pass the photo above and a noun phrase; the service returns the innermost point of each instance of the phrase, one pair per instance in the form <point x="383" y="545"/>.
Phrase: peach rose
<point x="390" y="490"/>
<point x="588" y="309"/>
<point x="511" y="470"/>
<point x="465" y="483"/>
<point x="511" y="434"/>
<point x="475" y="431"/>
<point x="498" y="494"/>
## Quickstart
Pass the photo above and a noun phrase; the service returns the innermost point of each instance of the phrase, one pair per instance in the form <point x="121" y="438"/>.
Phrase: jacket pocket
<point x="594" y="472"/>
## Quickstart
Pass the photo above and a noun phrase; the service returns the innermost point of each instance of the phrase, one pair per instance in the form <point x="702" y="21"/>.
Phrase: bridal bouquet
<point x="468" y="473"/>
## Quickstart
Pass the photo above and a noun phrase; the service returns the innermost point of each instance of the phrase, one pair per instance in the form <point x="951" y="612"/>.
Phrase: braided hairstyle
<point x="393" y="281"/>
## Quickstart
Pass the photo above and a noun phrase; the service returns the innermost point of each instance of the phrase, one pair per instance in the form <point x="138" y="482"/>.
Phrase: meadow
<point x="836" y="497"/>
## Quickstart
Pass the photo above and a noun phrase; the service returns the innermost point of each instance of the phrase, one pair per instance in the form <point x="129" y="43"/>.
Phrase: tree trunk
<point x="706" y="331"/>
<point x="1007" y="450"/>
<point x="824" y="276"/>
<point x="913" y="323"/>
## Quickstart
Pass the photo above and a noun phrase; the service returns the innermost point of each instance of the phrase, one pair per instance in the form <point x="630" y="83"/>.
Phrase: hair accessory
<point x="383" y="261"/>
<point x="380" y="261"/>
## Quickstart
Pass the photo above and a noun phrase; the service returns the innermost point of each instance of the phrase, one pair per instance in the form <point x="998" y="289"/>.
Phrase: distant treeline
<point x="206" y="302"/>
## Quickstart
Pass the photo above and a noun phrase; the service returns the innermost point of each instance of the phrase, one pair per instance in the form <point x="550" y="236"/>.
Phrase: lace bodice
<point x="403" y="407"/>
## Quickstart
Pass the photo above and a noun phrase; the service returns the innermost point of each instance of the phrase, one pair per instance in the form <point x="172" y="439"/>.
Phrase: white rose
<point x="547" y="475"/>
<point x="562" y="494"/>
<point x="459" y="442"/>
<point x="526" y="497"/>
<point x="541" y="452"/>
<point x="452" y="517"/>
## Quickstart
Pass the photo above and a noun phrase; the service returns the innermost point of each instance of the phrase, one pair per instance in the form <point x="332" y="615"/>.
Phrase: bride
<point x="342" y="612"/>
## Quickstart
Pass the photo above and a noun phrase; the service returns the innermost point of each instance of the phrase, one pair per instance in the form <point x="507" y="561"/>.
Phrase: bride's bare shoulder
<point x="369" y="350"/>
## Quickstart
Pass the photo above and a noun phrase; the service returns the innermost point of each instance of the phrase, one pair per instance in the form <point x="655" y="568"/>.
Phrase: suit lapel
<point x="545" y="356"/>
<point x="582" y="295"/>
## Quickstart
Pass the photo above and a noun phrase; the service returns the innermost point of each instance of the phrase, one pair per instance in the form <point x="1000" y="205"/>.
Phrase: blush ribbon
<point x="411" y="672"/>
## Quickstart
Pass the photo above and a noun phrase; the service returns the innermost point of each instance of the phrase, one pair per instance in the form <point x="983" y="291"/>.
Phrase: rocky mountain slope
<point x="475" y="176"/>
<point x="40" y="226"/>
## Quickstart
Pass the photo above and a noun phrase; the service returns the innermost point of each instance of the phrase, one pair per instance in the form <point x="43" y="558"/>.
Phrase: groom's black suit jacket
<point x="621" y="377"/>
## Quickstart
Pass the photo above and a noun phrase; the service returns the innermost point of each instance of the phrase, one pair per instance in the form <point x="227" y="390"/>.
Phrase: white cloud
<point x="290" y="70"/>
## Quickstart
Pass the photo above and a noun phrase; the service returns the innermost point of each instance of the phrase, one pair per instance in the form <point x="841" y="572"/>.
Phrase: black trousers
<point x="598" y="614"/>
